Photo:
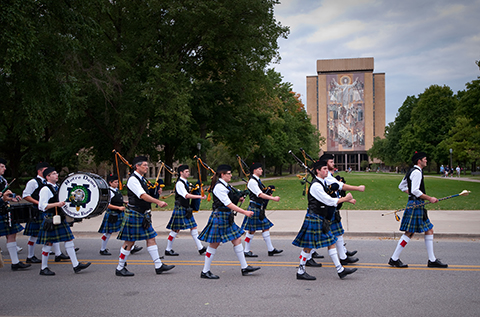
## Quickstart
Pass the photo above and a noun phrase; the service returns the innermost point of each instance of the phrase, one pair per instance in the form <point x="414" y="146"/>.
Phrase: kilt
<point x="107" y="227"/>
<point x="412" y="219"/>
<point x="336" y="227"/>
<point x="61" y="232"/>
<point x="5" y="229"/>
<point x="310" y="235"/>
<point x="218" y="229"/>
<point x="254" y="223"/>
<point x="132" y="229"/>
<point x="178" y="221"/>
<point x="32" y="228"/>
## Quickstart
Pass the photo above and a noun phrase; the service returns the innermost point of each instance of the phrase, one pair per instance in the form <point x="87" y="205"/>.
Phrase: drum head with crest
<point x="85" y="195"/>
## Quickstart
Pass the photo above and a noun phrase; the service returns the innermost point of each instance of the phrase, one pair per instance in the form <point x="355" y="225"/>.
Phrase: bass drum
<point x="86" y="195"/>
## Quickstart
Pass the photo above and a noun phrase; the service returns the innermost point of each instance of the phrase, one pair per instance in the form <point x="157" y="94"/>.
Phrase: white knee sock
<point x="171" y="237"/>
<point x="31" y="246"/>
<point x="310" y="254"/>
<point x="340" y="248"/>
<point x="208" y="259"/>
<point x="56" y="248"/>
<point x="402" y="243"/>
<point x="429" y="245"/>
<point x="248" y="240"/>
<point x="194" y="233"/>
<point x="105" y="238"/>
<point x="70" y="248"/>
<point x="268" y="241"/>
<point x="334" y="255"/>
<point x="12" y="250"/>
<point x="153" y="250"/>
<point x="238" y="249"/>
<point x="45" y="253"/>
<point x="303" y="260"/>
<point x="122" y="258"/>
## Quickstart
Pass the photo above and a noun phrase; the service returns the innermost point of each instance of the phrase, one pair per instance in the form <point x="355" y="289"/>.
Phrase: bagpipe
<point x="330" y="190"/>
<point x="463" y="193"/>
<point x="208" y="168"/>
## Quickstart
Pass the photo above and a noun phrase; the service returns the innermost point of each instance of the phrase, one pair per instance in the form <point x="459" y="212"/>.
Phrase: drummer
<point x="49" y="232"/>
<point x="7" y="228"/>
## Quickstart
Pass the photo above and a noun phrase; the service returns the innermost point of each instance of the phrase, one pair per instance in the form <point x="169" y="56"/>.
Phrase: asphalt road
<point x="374" y="290"/>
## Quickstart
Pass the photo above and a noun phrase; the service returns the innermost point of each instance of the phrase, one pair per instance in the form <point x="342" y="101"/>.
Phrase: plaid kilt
<point x="310" y="235"/>
<point x="254" y="223"/>
<point x="218" y="229"/>
<point x="107" y="227"/>
<point x="61" y="232"/>
<point x="132" y="229"/>
<point x="5" y="229"/>
<point x="336" y="227"/>
<point x="32" y="228"/>
<point x="178" y="221"/>
<point x="412" y="219"/>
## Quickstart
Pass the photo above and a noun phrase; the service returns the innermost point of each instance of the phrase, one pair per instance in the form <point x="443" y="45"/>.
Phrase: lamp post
<point x="451" y="164"/>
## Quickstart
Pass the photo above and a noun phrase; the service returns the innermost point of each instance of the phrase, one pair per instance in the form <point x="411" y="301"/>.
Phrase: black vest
<point x="254" y="197"/>
<point x="52" y="200"/>
<point x="3" y="183"/>
<point x="138" y="204"/>
<point x="217" y="204"/>
<point x="317" y="207"/>
<point x="117" y="199"/>
<point x="181" y="200"/>
<point x="36" y="193"/>
<point x="409" y="184"/>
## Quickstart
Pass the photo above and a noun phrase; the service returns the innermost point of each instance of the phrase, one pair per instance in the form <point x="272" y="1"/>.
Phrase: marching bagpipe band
<point x="397" y="217"/>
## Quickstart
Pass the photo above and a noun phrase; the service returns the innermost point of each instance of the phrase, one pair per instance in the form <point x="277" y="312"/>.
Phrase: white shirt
<point x="45" y="195"/>
<point x="329" y="180"/>
<point x="180" y="187"/>
<point x="253" y="186"/>
<point x="416" y="178"/>
<point x="222" y="193"/>
<point x="319" y="193"/>
<point x="134" y="185"/>
<point x="31" y="186"/>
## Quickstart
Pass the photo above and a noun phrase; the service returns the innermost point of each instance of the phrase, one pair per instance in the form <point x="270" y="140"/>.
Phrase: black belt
<point x="412" y="197"/>
<point x="138" y="210"/>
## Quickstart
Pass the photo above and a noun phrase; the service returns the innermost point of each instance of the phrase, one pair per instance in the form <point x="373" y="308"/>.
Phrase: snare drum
<point x="86" y="195"/>
<point x="21" y="213"/>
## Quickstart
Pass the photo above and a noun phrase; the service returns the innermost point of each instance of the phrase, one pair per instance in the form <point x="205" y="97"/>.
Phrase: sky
<point x="416" y="43"/>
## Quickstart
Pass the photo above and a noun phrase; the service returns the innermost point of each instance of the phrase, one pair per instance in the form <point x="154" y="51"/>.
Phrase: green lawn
<point x="381" y="193"/>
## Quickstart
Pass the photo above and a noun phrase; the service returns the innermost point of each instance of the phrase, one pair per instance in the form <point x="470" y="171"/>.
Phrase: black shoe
<point x="135" y="249"/>
<point x="20" y="265"/>
<point x="209" y="275"/>
<point x="305" y="276"/>
<point x="345" y="272"/>
<point x="123" y="272"/>
<point x="311" y="262"/>
<point x="46" y="271"/>
<point x="315" y="255"/>
<point x="81" y="266"/>
<point x="274" y="251"/>
<point x="250" y="254"/>
<point x="76" y="249"/>
<point x="33" y="259"/>
<point x="348" y="260"/>
<point x="351" y="253"/>
<point x="171" y="253"/>
<point x="396" y="263"/>
<point x="105" y="252"/>
<point x="437" y="263"/>
<point x="61" y="257"/>
<point x="249" y="269"/>
<point x="202" y="251"/>
<point x="164" y="268"/>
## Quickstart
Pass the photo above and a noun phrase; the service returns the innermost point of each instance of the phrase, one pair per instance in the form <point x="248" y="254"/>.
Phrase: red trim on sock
<point x="403" y="243"/>
<point x="104" y="238"/>
<point x="247" y="240"/>
<point x="304" y="259"/>
<point x="300" y="257"/>
<point x="122" y="256"/>
<point x="31" y="243"/>
<point x="45" y="253"/>
<point x="170" y="238"/>
<point x="208" y="254"/>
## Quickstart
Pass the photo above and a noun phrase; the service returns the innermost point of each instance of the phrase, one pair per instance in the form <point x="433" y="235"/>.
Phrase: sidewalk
<point x="464" y="224"/>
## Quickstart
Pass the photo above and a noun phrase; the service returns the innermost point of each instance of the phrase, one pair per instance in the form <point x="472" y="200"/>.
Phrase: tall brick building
<point x="346" y="101"/>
